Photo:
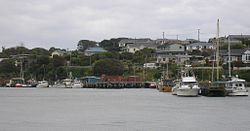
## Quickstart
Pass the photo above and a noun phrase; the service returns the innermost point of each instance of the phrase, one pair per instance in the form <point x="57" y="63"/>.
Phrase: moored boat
<point x="166" y="86"/>
<point x="215" y="89"/>
<point x="42" y="84"/>
<point x="236" y="87"/>
<point x="187" y="85"/>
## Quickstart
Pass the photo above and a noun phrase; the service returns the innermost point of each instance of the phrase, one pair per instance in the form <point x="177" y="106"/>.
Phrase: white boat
<point x="236" y="87"/>
<point x="18" y="82"/>
<point x="58" y="85"/>
<point x="188" y="85"/>
<point x="77" y="84"/>
<point x="177" y="86"/>
<point x="67" y="82"/>
<point x="42" y="84"/>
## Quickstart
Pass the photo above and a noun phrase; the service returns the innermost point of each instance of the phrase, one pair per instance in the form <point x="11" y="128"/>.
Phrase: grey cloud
<point x="62" y="23"/>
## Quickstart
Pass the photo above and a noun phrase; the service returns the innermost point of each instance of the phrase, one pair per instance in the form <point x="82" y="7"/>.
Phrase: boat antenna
<point x="229" y="57"/>
<point x="217" y="48"/>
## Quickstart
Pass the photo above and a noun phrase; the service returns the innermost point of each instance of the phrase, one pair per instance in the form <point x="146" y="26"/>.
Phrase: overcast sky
<point x="62" y="23"/>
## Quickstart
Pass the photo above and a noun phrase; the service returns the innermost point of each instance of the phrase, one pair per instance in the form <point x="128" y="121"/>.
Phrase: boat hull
<point x="187" y="92"/>
<point x="213" y="92"/>
<point x="174" y="91"/>
<point x="237" y="93"/>
<point x="165" y="89"/>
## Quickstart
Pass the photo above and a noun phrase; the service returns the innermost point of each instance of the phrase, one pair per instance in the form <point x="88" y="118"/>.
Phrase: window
<point x="248" y="57"/>
<point x="180" y="47"/>
<point x="164" y="59"/>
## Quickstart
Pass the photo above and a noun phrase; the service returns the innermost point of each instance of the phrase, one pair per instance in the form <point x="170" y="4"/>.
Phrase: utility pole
<point x="163" y="37"/>
<point x="198" y="34"/>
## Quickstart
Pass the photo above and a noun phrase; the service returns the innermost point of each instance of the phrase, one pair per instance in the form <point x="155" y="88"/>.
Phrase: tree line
<point x="38" y="63"/>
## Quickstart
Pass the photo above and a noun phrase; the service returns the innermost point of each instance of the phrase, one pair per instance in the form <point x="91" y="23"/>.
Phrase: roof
<point x="90" y="77"/>
<point x="145" y="45"/>
<point x="144" y="40"/>
<point x="234" y="52"/>
<point x="166" y="45"/>
<point x="95" y="49"/>
<point x="235" y="79"/>
<point x="59" y="51"/>
<point x="239" y="36"/>
<point x="188" y="79"/>
<point x="247" y="51"/>
<point x="167" y="51"/>
<point x="200" y="43"/>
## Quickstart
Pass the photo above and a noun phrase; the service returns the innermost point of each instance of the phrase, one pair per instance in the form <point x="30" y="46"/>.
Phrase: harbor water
<point x="51" y="109"/>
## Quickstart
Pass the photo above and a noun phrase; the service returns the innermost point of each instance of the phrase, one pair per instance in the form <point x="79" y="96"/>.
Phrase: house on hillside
<point x="234" y="39"/>
<point x="246" y="56"/>
<point x="132" y="48"/>
<point x="239" y="37"/>
<point x="58" y="53"/>
<point x="236" y="55"/>
<point x="94" y="50"/>
<point x="172" y="53"/>
<point x="125" y="42"/>
<point x="199" y="46"/>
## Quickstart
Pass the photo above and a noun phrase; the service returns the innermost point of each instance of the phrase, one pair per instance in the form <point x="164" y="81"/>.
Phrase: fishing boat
<point x="42" y="84"/>
<point x="187" y="85"/>
<point x="236" y="87"/>
<point x="77" y="84"/>
<point x="20" y="82"/>
<point x="215" y="88"/>
<point x="166" y="86"/>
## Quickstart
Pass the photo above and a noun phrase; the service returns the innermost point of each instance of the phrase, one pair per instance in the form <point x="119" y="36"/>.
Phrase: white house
<point x="58" y="53"/>
<point x="246" y="56"/>
<point x="132" y="48"/>
<point x="125" y="42"/>
<point x="199" y="46"/>
<point x="150" y="65"/>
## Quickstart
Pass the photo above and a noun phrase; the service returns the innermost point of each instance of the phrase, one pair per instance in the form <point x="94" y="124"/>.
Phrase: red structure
<point x="120" y="78"/>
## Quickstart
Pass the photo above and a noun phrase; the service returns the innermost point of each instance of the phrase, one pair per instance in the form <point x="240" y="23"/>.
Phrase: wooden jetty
<point x="114" y="85"/>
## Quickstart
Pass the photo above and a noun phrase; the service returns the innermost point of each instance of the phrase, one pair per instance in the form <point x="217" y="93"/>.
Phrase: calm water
<point x="118" y="110"/>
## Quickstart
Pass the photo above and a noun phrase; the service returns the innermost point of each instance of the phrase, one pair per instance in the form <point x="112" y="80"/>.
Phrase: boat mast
<point x="217" y="49"/>
<point x="229" y="57"/>
<point x="43" y="72"/>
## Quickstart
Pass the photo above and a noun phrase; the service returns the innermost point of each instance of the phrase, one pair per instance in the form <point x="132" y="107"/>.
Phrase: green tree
<point x="126" y="56"/>
<point x="112" y="44"/>
<point x="40" y="51"/>
<point x="7" y="66"/>
<point x="143" y="56"/>
<point x="85" y="44"/>
<point x="108" y="67"/>
<point x="58" y="61"/>
<point x="15" y="51"/>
